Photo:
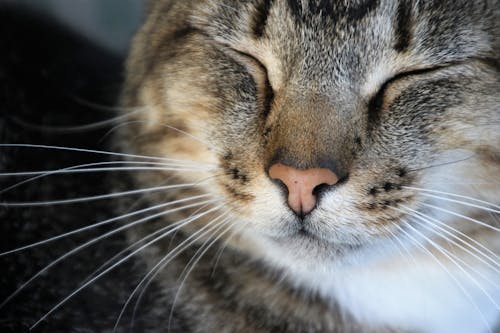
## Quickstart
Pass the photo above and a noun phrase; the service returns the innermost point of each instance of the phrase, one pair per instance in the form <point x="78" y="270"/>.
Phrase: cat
<point x="327" y="166"/>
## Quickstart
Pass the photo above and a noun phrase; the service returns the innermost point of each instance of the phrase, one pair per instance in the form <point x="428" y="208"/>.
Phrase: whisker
<point x="74" y="129"/>
<point x="439" y="248"/>
<point x="461" y="247"/>
<point x="76" y="291"/>
<point x="102" y="223"/>
<point x="97" y="197"/>
<point x="218" y="255"/>
<point x="462" y="216"/>
<point x="197" y="255"/>
<point x="441" y="226"/>
<point x="452" y="194"/>
<point x="162" y="264"/>
<point x="102" y="107"/>
<point x="459" y="183"/>
<point x="457" y="283"/>
<point x="116" y="127"/>
<point x="130" y="247"/>
<point x="82" y="150"/>
<point x="86" y="166"/>
<point x="164" y="261"/>
<point x="463" y="262"/>
<point x="443" y="164"/>
<point x="95" y="240"/>
<point x="93" y="170"/>
<point x="194" y="260"/>
<point x="206" y="144"/>
<point x="393" y="237"/>
<point x="462" y="202"/>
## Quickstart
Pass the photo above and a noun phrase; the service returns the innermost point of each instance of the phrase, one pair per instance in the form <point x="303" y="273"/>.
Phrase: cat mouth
<point x="304" y="233"/>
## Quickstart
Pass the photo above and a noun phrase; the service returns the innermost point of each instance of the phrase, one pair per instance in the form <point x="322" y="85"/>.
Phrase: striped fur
<point x="391" y="95"/>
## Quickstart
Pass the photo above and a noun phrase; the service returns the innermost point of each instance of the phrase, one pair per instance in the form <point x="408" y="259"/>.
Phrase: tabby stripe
<point x="296" y="8"/>
<point x="260" y="20"/>
<point x="332" y="10"/>
<point x="359" y="12"/>
<point x="402" y="29"/>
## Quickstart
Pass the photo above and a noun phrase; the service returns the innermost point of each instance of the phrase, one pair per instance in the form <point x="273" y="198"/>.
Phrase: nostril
<point x="321" y="188"/>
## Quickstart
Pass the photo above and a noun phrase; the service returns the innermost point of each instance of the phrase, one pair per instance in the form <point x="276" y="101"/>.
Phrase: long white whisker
<point x="439" y="248"/>
<point x="106" y="108"/>
<point x="164" y="261"/>
<point x="462" y="202"/>
<point x="441" y="225"/>
<point x="461" y="234"/>
<point x="394" y="238"/>
<point x="62" y="302"/>
<point x="206" y="144"/>
<point x="77" y="128"/>
<point x="462" y="216"/>
<point x="192" y="263"/>
<point x="116" y="127"/>
<point x="92" y="170"/>
<point x="130" y="247"/>
<point x="218" y="255"/>
<point x="97" y="197"/>
<point x="82" y="150"/>
<point x="95" y="240"/>
<point x="102" y="223"/>
<point x="457" y="282"/>
<point x="452" y="194"/>
<point x="82" y="166"/>
<point x="85" y="167"/>
<point x="461" y="247"/>
<point x="195" y="257"/>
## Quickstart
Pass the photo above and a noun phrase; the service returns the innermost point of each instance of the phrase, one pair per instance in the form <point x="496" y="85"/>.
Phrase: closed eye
<point x="375" y="103"/>
<point x="260" y="75"/>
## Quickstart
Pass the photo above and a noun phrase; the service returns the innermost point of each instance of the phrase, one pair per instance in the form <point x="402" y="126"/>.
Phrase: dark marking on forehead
<point x="296" y="8"/>
<point x="403" y="26"/>
<point x="332" y="10"/>
<point x="356" y="13"/>
<point x="260" y="19"/>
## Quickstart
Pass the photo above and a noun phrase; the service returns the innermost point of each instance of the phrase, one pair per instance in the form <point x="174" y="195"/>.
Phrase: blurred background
<point x="61" y="72"/>
<point x="109" y="23"/>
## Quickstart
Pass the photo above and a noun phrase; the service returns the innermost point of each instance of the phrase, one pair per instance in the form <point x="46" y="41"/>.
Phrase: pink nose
<point x="301" y="183"/>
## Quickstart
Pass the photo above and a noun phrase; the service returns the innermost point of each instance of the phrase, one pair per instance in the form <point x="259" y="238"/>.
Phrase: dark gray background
<point x="110" y="23"/>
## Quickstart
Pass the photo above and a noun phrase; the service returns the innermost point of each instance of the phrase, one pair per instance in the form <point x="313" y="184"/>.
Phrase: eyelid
<point x="417" y="71"/>
<point x="251" y="58"/>
<point x="266" y="91"/>
<point x="375" y="102"/>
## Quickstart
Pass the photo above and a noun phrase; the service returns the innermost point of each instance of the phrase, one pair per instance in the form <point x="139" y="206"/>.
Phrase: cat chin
<point x="303" y="251"/>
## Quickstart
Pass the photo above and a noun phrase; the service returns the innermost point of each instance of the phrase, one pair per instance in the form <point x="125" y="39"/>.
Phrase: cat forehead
<point x="342" y="30"/>
<point x="347" y="45"/>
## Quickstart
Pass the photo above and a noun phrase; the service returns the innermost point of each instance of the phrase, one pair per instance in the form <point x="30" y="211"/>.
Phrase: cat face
<point x="395" y="99"/>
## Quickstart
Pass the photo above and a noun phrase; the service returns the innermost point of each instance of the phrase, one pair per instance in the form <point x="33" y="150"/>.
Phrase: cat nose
<point x="301" y="185"/>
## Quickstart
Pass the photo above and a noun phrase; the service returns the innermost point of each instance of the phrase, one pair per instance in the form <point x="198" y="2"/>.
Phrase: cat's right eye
<point x="260" y="75"/>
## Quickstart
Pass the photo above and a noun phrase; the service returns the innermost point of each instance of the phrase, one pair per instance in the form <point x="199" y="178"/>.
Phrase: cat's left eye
<point x="375" y="102"/>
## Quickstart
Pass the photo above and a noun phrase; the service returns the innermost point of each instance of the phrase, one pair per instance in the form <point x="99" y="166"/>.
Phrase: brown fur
<point x="202" y="71"/>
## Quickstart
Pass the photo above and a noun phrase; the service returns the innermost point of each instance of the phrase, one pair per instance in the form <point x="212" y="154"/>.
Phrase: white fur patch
<point x="420" y="296"/>
<point x="413" y="293"/>
<point x="406" y="287"/>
